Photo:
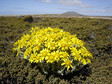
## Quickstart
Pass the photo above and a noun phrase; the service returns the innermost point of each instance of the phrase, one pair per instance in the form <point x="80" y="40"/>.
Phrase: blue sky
<point x="26" y="7"/>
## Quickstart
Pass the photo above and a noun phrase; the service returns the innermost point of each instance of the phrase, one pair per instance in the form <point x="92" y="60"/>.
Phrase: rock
<point x="28" y="18"/>
<point x="92" y="35"/>
<point x="110" y="27"/>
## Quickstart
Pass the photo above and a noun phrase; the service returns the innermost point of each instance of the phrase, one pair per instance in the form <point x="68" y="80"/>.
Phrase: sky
<point x="27" y="7"/>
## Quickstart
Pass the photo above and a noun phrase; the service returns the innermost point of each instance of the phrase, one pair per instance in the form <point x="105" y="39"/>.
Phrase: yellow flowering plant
<point x="53" y="49"/>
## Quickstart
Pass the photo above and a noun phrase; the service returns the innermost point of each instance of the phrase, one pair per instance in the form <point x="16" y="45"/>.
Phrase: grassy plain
<point x="96" y="32"/>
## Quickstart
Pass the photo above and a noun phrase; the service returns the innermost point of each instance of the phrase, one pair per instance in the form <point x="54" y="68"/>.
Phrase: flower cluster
<point x="53" y="46"/>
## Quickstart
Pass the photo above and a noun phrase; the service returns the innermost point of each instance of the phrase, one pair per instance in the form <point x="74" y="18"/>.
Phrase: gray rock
<point x="110" y="27"/>
<point x="92" y="35"/>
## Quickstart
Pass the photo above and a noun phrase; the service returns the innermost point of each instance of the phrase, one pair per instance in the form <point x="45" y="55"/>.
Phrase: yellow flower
<point x="67" y="64"/>
<point x="57" y="55"/>
<point x="50" y="58"/>
<point x="34" y="29"/>
<point x="75" y="54"/>
<point x="88" y="60"/>
<point x="84" y="61"/>
<point x="38" y="58"/>
<point x="74" y="40"/>
<point x="31" y="42"/>
<point x="14" y="49"/>
<point x="36" y="48"/>
<point x="44" y="53"/>
<point x="65" y="34"/>
<point x="22" y="43"/>
<point x="18" y="50"/>
<point x="17" y="43"/>
<point x="63" y="45"/>
<point x="64" y="55"/>
<point x="32" y="58"/>
<point x="27" y="52"/>
<point x="51" y="45"/>
<point x="38" y="41"/>
<point x="84" y="52"/>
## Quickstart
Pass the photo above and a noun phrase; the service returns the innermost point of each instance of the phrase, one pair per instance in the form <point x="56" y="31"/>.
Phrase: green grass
<point x="97" y="33"/>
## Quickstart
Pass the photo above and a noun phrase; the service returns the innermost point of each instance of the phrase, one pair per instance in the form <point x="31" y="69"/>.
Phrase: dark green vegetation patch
<point x="97" y="33"/>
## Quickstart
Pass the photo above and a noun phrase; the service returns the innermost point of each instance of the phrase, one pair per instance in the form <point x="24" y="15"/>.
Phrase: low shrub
<point x="54" y="50"/>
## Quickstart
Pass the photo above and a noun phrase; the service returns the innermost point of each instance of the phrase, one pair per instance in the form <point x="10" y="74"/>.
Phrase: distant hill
<point x="72" y="13"/>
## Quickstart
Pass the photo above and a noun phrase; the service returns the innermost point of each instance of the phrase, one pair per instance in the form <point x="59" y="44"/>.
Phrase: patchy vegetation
<point x="97" y="33"/>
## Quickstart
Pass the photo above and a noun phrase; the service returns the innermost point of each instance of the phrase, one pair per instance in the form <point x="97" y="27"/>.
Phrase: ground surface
<point x="97" y="33"/>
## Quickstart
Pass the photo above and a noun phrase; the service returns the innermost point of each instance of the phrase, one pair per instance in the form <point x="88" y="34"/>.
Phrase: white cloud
<point x="76" y="3"/>
<point x="108" y="9"/>
<point x="46" y="1"/>
<point x="95" y="10"/>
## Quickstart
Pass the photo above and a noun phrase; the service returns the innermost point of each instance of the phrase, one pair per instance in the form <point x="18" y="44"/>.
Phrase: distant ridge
<point x="72" y="13"/>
